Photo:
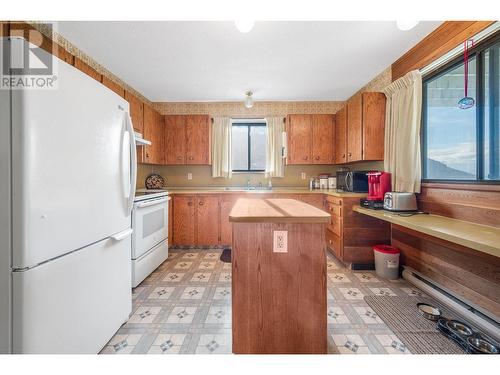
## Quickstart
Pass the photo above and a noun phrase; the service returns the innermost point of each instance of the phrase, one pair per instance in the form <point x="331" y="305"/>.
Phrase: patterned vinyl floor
<point x="184" y="306"/>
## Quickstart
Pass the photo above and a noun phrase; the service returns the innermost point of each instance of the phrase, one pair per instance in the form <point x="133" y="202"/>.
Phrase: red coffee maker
<point x="379" y="183"/>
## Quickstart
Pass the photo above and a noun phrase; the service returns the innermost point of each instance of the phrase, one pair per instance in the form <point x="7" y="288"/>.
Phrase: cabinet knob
<point x="330" y="241"/>
<point x="147" y="154"/>
<point x="349" y="154"/>
<point x="306" y="157"/>
<point x="317" y="158"/>
<point x="200" y="203"/>
<point x="179" y="157"/>
<point x="343" y="156"/>
<point x="191" y="158"/>
<point x="190" y="203"/>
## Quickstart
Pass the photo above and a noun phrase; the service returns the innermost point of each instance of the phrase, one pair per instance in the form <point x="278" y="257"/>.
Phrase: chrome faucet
<point x="249" y="185"/>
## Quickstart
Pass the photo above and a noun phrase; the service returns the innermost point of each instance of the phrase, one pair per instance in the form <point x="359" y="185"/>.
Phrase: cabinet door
<point x="322" y="139"/>
<point x="315" y="200"/>
<point x="207" y="220"/>
<point x="146" y="153"/>
<point x="354" y="129"/>
<point x="184" y="220"/>
<point x="226" y="229"/>
<point x="136" y="111"/>
<point x="197" y="139"/>
<point x="175" y="140"/>
<point x="159" y="137"/>
<point x="341" y="136"/>
<point x="373" y="125"/>
<point x="299" y="136"/>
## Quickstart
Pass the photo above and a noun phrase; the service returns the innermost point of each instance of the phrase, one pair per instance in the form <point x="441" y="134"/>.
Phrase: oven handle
<point x="152" y="202"/>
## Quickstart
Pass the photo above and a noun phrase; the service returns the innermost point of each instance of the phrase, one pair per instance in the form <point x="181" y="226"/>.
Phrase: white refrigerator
<point x="67" y="166"/>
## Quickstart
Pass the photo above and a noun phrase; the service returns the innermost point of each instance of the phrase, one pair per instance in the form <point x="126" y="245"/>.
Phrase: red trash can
<point x="386" y="261"/>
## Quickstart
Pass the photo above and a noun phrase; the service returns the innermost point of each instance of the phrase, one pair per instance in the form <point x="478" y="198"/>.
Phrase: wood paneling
<point x="442" y="40"/>
<point x="4" y="28"/>
<point x="207" y="220"/>
<point x="113" y="86"/>
<point x="315" y="200"/>
<point x="198" y="139"/>
<point x="472" y="202"/>
<point x="299" y="135"/>
<point x="136" y="111"/>
<point x="373" y="125"/>
<point x="279" y="299"/>
<point x="184" y="220"/>
<point x="341" y="136"/>
<point x="469" y="274"/>
<point x="87" y="69"/>
<point x="355" y="129"/>
<point x="175" y="135"/>
<point x="322" y="139"/>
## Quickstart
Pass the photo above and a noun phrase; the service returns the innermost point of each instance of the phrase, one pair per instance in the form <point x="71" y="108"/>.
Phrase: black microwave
<point x="353" y="181"/>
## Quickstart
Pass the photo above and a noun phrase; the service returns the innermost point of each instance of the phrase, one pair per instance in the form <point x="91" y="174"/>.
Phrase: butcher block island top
<point x="248" y="210"/>
<point x="278" y="277"/>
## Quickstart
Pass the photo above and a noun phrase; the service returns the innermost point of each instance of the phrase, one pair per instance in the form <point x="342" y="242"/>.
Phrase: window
<point x="248" y="147"/>
<point x="463" y="144"/>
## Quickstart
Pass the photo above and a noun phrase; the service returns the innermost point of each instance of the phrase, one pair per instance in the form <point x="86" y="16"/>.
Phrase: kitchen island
<point x="278" y="277"/>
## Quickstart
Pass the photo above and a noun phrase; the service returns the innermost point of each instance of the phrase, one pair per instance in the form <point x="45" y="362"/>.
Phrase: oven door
<point x="150" y="224"/>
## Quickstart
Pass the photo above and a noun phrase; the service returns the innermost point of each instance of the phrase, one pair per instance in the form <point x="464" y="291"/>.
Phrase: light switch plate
<point x="280" y="241"/>
<point x="303" y="175"/>
<point x="190" y="176"/>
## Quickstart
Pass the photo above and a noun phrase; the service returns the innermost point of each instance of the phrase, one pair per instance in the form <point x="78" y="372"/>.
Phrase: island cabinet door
<point x="207" y="220"/>
<point x="184" y="220"/>
<point x="226" y="232"/>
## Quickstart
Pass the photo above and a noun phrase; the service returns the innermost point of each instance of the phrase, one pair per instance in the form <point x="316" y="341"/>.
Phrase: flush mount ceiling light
<point x="249" y="99"/>
<point x="405" y="25"/>
<point x="244" y="25"/>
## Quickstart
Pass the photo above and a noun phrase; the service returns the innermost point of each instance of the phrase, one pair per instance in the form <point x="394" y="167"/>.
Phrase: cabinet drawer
<point x="334" y="200"/>
<point x="334" y="210"/>
<point x="334" y="244"/>
<point x="335" y="225"/>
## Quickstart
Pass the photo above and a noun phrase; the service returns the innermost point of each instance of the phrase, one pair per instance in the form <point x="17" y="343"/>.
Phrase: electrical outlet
<point x="190" y="176"/>
<point x="303" y="175"/>
<point x="280" y="241"/>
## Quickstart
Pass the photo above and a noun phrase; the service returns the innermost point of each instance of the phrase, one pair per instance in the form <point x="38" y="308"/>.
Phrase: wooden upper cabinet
<point x="136" y="111"/>
<point x="299" y="137"/>
<point x="198" y="139"/>
<point x="207" y="219"/>
<point x="322" y="139"/>
<point x="87" y="69"/>
<point x="113" y="86"/>
<point x="184" y="220"/>
<point x="175" y="139"/>
<point x="154" y="132"/>
<point x="373" y="125"/>
<point x="354" y="129"/>
<point x="341" y="136"/>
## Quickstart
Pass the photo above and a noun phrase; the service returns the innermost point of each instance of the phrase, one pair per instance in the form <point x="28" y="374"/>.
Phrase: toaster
<point x="396" y="201"/>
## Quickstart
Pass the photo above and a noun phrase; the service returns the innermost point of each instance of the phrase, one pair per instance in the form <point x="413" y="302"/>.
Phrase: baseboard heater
<point x="476" y="315"/>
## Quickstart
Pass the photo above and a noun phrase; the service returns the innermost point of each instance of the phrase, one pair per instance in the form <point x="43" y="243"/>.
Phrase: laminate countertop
<point x="261" y="210"/>
<point x="277" y="190"/>
<point x="479" y="237"/>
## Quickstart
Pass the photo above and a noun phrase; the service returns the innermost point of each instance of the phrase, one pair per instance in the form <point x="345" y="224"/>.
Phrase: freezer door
<point x="71" y="167"/>
<point x="73" y="304"/>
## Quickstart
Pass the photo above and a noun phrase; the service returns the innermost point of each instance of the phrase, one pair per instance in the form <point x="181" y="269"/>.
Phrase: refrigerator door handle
<point x="133" y="162"/>
<point x="122" y="235"/>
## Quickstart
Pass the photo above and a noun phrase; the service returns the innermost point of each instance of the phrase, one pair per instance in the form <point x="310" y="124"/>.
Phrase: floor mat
<point x="419" y="334"/>
<point x="226" y="256"/>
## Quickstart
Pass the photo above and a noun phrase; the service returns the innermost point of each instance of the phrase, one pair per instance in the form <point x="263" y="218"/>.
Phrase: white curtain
<point x="274" y="145"/>
<point x="402" y="132"/>
<point x="221" y="147"/>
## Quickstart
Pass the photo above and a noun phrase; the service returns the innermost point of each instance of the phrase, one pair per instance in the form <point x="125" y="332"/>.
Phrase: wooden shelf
<point x="483" y="238"/>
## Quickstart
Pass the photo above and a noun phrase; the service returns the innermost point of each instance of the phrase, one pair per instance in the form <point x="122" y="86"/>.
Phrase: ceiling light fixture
<point x="405" y="25"/>
<point x="249" y="99"/>
<point x="244" y="25"/>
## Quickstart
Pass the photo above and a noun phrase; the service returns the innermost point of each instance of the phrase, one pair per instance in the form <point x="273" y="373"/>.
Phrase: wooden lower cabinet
<point x="226" y="232"/>
<point x="314" y="199"/>
<point x="350" y="236"/>
<point x="184" y="220"/>
<point x="207" y="220"/>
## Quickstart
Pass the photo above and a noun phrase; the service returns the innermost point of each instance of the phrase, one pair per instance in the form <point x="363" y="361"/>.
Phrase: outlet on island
<point x="280" y="241"/>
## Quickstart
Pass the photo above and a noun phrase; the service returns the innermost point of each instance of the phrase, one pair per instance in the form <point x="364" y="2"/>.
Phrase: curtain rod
<point x="249" y="118"/>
